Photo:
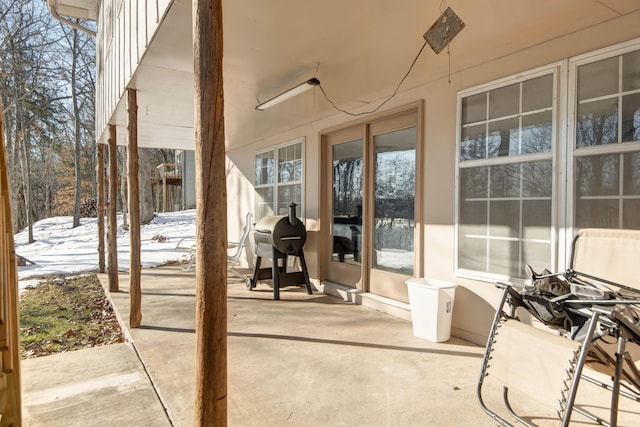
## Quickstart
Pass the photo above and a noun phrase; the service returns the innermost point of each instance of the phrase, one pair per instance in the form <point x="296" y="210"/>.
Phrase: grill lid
<point x="285" y="232"/>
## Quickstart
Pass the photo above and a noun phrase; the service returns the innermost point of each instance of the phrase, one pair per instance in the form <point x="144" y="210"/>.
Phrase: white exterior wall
<point x="125" y="29"/>
<point x="475" y="300"/>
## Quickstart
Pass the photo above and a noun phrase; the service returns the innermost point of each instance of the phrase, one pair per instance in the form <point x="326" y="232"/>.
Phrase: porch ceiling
<point x="358" y="49"/>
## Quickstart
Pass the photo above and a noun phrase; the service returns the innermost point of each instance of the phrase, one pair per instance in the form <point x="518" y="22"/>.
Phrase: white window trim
<point x="574" y="63"/>
<point x="557" y="70"/>
<point x="260" y="186"/>
<point x="564" y="120"/>
<point x="300" y="210"/>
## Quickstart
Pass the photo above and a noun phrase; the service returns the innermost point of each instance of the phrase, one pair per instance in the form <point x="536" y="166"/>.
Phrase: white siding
<point x="125" y="27"/>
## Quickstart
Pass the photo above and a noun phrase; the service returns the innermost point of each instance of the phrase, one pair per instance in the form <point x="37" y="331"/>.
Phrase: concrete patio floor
<point x="306" y="360"/>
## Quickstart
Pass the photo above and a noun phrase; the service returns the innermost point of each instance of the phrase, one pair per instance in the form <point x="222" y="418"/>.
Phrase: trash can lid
<point x="431" y="283"/>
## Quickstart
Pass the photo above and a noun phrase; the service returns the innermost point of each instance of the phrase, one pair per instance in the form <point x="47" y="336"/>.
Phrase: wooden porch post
<point x="112" y="217"/>
<point x="100" y="205"/>
<point x="211" y="217"/>
<point x="10" y="398"/>
<point x="135" y="313"/>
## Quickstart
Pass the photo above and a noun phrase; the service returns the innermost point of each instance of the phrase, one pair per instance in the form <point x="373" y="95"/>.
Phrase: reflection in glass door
<point x="394" y="200"/>
<point x="393" y="206"/>
<point x="348" y="164"/>
<point x="345" y="170"/>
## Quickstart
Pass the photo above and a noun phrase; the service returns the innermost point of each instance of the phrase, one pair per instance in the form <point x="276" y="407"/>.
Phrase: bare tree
<point x="32" y="100"/>
<point x="83" y="112"/>
<point x="81" y="83"/>
<point x="76" y="121"/>
<point x="46" y="85"/>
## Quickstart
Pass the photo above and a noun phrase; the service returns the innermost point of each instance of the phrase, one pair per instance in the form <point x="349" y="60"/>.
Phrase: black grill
<point x="278" y="237"/>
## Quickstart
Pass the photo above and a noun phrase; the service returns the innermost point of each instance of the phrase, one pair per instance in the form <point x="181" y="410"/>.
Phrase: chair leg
<point x="507" y="404"/>
<point x="573" y="391"/>
<point x="192" y="260"/>
<point x="615" y="393"/>
<point x="487" y="357"/>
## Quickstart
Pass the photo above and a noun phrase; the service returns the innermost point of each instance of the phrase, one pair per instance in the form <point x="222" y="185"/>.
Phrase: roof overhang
<point x="63" y="10"/>
<point x="359" y="50"/>
<point x="82" y="9"/>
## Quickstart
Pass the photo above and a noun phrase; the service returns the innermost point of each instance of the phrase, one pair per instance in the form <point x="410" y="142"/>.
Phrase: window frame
<point x="275" y="149"/>
<point x="557" y="71"/>
<point x="564" y="152"/>
<point x="617" y="148"/>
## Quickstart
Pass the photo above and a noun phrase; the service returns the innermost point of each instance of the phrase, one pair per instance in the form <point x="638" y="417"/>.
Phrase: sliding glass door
<point x="370" y="187"/>
<point x="345" y="185"/>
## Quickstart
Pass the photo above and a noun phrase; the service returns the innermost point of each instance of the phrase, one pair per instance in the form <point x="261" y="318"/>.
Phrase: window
<point x="606" y="152"/>
<point x="279" y="176"/>
<point x="511" y="202"/>
<point x="505" y="175"/>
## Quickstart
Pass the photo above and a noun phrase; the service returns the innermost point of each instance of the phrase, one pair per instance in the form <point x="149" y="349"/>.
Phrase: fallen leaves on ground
<point x="65" y="313"/>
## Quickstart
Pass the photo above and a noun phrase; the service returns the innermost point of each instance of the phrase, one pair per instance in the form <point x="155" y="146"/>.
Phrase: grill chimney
<point x="292" y="214"/>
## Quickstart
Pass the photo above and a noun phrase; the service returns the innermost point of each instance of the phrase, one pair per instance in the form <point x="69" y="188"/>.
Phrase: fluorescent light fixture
<point x="290" y="93"/>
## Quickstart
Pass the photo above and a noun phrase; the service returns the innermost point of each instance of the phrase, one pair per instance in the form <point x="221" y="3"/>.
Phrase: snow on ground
<point x="59" y="248"/>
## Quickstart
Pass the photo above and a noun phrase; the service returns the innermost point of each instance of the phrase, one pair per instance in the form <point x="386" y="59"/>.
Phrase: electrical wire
<point x="383" y="102"/>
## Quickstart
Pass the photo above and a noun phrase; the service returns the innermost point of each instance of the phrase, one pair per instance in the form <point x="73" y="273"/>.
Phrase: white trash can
<point x="431" y="303"/>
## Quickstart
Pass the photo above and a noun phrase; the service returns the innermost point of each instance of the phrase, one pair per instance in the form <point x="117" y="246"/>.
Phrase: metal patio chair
<point x="237" y="247"/>
<point x="187" y="245"/>
<point x="606" y="260"/>
<point x="596" y="324"/>
<point x="234" y="250"/>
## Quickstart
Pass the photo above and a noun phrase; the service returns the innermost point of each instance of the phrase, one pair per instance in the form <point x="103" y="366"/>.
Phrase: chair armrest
<point x="231" y="245"/>
<point x="186" y="244"/>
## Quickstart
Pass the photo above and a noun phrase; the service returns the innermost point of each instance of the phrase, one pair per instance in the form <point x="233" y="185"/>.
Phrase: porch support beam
<point x="112" y="207"/>
<point x="100" y="205"/>
<point x="10" y="397"/>
<point x="211" y="217"/>
<point x="135" y="297"/>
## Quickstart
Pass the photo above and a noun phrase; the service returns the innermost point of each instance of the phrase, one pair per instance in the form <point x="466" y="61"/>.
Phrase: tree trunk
<point x="12" y="168"/>
<point x="123" y="194"/>
<point x="135" y="312"/>
<point x="146" y="191"/>
<point x="211" y="217"/>
<point x="113" y="214"/>
<point x="26" y="173"/>
<point x="48" y="182"/>
<point x="76" y="132"/>
<point x="17" y="205"/>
